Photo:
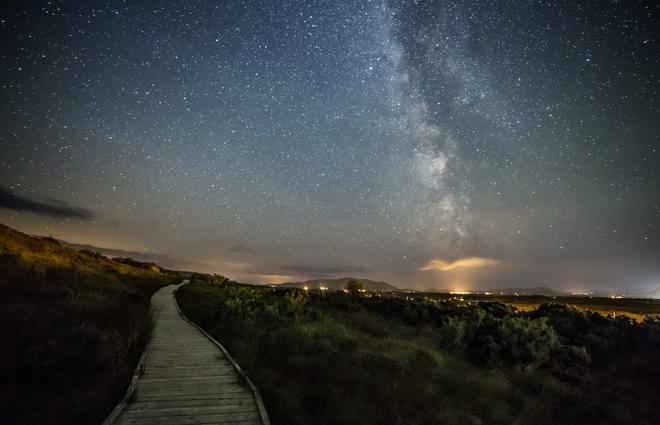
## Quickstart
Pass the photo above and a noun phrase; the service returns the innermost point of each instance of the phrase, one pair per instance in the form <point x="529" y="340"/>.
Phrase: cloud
<point x="53" y="208"/>
<point x="242" y="249"/>
<point x="322" y="270"/>
<point x="469" y="262"/>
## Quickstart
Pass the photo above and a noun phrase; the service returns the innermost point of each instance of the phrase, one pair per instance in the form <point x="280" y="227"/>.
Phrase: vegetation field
<point x="635" y="308"/>
<point x="73" y="325"/>
<point x="367" y="358"/>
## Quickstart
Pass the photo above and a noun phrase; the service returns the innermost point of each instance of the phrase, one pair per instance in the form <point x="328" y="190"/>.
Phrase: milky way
<point x="442" y="144"/>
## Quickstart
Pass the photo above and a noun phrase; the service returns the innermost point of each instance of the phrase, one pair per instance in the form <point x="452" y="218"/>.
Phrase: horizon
<point x="163" y="261"/>
<point x="446" y="145"/>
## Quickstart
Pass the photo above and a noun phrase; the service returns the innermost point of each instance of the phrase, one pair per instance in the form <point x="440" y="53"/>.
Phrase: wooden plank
<point x="162" y="404"/>
<point x="187" y="379"/>
<point x="220" y="398"/>
<point x="228" y="389"/>
<point x="241" y="409"/>
<point x="218" y="418"/>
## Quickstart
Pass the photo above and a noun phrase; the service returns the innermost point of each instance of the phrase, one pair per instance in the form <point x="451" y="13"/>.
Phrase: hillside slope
<point x="73" y="325"/>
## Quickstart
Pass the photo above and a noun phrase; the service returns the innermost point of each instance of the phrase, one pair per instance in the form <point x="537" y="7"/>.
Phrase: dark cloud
<point x="53" y="208"/>
<point x="242" y="249"/>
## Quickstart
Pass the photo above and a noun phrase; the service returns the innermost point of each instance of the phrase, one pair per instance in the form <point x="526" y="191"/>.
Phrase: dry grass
<point x="73" y="325"/>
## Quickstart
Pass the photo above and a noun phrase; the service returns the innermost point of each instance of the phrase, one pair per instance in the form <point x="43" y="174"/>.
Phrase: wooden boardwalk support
<point x="186" y="377"/>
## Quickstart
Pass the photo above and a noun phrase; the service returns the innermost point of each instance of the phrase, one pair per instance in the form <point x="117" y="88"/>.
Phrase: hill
<point x="152" y="267"/>
<point x="339" y="284"/>
<point x="73" y="325"/>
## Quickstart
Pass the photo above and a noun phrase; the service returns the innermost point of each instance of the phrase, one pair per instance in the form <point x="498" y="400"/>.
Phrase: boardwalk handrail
<point x="263" y="414"/>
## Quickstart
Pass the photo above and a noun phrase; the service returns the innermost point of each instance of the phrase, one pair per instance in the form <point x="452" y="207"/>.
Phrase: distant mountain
<point x="339" y="284"/>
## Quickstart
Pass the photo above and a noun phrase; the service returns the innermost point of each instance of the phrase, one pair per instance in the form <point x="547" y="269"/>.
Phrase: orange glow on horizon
<point x="275" y="278"/>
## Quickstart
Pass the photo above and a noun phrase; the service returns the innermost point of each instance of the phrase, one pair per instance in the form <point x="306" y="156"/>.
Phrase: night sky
<point x="445" y="144"/>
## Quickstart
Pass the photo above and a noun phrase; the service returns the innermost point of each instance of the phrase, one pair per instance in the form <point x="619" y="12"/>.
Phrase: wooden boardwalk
<point x="187" y="379"/>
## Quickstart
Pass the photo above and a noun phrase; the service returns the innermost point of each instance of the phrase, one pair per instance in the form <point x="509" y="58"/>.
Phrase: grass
<point x="73" y="326"/>
<point x="338" y="359"/>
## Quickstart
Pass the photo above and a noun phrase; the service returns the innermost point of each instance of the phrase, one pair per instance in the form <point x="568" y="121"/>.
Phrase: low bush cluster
<point x="369" y="358"/>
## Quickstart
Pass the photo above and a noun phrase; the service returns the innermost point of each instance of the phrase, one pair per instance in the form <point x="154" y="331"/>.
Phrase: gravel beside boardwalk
<point x="187" y="379"/>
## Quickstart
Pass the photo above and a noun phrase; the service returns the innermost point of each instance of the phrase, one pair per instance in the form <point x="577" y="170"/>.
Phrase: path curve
<point x="186" y="378"/>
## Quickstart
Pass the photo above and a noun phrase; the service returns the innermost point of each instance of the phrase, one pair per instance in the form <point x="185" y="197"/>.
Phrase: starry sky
<point x="433" y="144"/>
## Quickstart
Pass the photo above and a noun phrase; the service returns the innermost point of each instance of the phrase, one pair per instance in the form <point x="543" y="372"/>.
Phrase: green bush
<point x="363" y="358"/>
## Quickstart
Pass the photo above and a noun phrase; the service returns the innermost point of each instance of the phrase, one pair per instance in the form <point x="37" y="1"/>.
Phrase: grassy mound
<point x="73" y="325"/>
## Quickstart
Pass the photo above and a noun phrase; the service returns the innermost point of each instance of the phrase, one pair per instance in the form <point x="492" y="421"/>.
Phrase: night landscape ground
<point x="74" y="324"/>
<point x="396" y="212"/>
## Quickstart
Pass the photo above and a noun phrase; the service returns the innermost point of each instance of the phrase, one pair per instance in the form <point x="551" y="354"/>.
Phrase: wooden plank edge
<point x="130" y="391"/>
<point x="263" y="414"/>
